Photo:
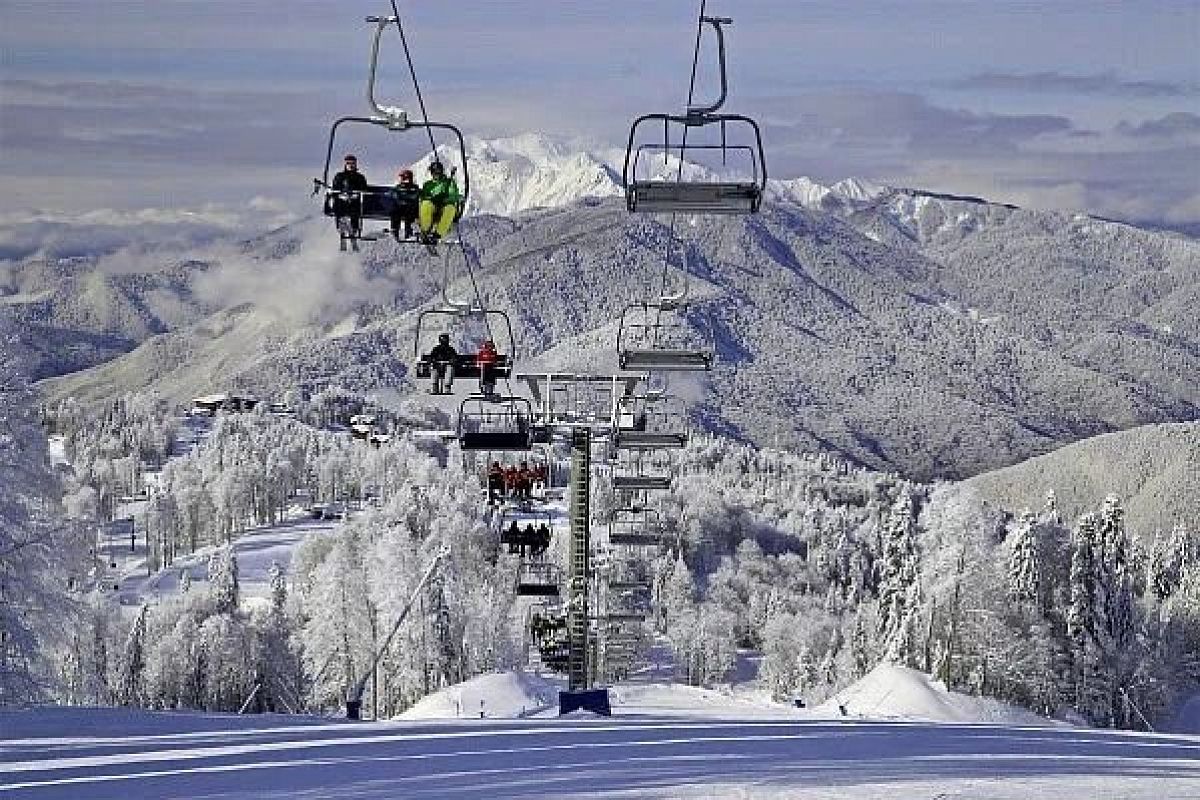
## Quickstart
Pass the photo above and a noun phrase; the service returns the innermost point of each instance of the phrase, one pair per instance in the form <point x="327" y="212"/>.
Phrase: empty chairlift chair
<point x="502" y="423"/>
<point x="660" y="337"/>
<point x="636" y="527"/>
<point x="651" y="422"/>
<point x="654" y="185"/>
<point x="642" y="471"/>
<point x="538" y="579"/>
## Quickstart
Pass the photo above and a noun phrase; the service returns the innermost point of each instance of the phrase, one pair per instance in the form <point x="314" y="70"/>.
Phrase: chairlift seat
<point x="641" y="482"/>
<point x="537" y="589"/>
<point x="496" y="440"/>
<point x="650" y="440"/>
<point x="376" y="202"/>
<point x="635" y="538"/>
<point x="683" y="197"/>
<point x="665" y="360"/>
<point x="465" y="366"/>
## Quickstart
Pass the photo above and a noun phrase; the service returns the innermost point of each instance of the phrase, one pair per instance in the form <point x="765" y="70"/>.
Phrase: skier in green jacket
<point x="440" y="201"/>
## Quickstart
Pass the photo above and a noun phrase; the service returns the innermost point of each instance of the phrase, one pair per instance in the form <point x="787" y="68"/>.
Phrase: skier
<point x="510" y="482"/>
<point x="513" y="537"/>
<point x="439" y="204"/>
<point x="486" y="359"/>
<point x="406" y="199"/>
<point x="539" y="479"/>
<point x="542" y="540"/>
<point x="346" y="199"/>
<point x="495" y="482"/>
<point x="442" y="359"/>
<point x="524" y="482"/>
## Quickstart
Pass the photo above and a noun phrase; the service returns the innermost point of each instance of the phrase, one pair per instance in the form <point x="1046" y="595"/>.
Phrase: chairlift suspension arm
<point x="412" y="71"/>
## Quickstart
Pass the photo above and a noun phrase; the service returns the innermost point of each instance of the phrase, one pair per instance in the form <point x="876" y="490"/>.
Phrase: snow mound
<point x="894" y="692"/>
<point x="496" y="695"/>
<point x="1187" y="718"/>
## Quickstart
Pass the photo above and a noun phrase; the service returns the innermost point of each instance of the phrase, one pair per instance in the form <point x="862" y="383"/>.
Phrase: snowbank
<point x="497" y="695"/>
<point x="893" y="692"/>
<point x="679" y="700"/>
<point x="1187" y="718"/>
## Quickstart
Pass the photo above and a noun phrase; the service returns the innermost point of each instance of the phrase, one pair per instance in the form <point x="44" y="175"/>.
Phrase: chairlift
<point x="495" y="423"/>
<point x="493" y="324"/>
<point x="628" y="575"/>
<point x="658" y="337"/>
<point x="526" y="532"/>
<point x="541" y="475"/>
<point x="651" y="422"/>
<point x="635" y="526"/>
<point x="642" y="471"/>
<point x="737" y="188"/>
<point x="376" y="201"/>
<point x="538" y="579"/>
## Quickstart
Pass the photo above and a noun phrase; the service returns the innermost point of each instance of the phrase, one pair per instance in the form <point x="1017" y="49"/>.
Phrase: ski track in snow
<point x="634" y="756"/>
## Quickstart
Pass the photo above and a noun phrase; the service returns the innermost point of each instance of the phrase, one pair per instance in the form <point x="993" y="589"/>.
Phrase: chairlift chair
<point x="523" y="520"/>
<point x="635" y="526"/>
<point x="738" y="136"/>
<point x="651" y="422"/>
<point x="375" y="203"/>
<point x="658" y="337"/>
<point x="499" y="423"/>
<point x="495" y="322"/>
<point x="538" y="579"/>
<point x="642" y="471"/>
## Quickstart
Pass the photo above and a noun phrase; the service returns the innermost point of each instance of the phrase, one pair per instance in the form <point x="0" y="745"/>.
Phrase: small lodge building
<point x="210" y="405"/>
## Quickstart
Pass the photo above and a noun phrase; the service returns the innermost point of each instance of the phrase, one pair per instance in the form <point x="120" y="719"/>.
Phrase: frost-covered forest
<point x="825" y="568"/>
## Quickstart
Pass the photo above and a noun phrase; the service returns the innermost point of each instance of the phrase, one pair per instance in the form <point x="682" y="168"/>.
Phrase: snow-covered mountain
<point x="935" y="335"/>
<point x="532" y="171"/>
<point x="1154" y="469"/>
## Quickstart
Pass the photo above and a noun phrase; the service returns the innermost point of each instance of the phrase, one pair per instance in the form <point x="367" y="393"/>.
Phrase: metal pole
<point x="354" y="695"/>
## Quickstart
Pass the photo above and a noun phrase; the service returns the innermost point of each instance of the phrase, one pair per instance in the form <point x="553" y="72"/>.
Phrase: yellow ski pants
<point x="445" y="218"/>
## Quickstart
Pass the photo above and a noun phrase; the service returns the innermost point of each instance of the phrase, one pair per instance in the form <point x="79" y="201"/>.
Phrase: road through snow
<point x="634" y="756"/>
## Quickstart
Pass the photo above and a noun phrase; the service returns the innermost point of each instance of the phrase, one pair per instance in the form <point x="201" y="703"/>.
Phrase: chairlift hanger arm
<point x="709" y="108"/>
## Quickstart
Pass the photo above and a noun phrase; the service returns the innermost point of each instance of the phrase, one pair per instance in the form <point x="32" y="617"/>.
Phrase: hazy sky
<point x="165" y="104"/>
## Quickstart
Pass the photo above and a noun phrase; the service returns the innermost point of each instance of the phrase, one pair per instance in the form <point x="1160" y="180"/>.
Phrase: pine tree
<point x="278" y="586"/>
<point x="1025" y="565"/>
<point x="134" y="662"/>
<point x="223" y="579"/>
<point x="899" y="588"/>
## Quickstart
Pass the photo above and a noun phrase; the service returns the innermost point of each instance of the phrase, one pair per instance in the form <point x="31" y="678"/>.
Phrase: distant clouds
<point x="1179" y="124"/>
<point x="105" y="231"/>
<point x="1108" y="83"/>
<point x="1074" y="104"/>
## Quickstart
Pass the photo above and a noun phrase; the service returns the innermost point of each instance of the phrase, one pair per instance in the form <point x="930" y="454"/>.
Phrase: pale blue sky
<point x="1082" y="105"/>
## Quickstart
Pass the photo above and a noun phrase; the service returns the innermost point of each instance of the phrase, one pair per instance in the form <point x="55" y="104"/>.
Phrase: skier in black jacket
<point x="348" y="211"/>
<point x="442" y="359"/>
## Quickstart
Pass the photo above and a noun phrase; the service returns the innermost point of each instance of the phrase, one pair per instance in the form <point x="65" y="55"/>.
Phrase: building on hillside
<point x="210" y="405"/>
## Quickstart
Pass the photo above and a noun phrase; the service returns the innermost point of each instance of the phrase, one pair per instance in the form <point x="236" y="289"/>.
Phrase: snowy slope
<point x="104" y="754"/>
<point x="1154" y="469"/>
